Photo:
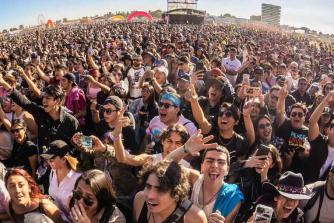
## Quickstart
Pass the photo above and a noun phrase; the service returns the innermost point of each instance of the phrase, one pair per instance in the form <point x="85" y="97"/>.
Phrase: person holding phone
<point x="63" y="176"/>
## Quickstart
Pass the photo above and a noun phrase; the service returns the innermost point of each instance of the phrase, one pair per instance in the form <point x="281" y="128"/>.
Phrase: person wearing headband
<point x="169" y="114"/>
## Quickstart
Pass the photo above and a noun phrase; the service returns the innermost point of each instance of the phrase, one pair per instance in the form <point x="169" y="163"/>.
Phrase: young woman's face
<point x="264" y="130"/>
<point x="57" y="162"/>
<point x="19" y="190"/>
<point x="171" y="143"/>
<point x="285" y="206"/>
<point x="157" y="201"/>
<point x="86" y="193"/>
<point x="18" y="133"/>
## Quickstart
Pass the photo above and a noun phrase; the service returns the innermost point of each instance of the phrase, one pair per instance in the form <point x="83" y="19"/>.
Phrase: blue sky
<point x="315" y="14"/>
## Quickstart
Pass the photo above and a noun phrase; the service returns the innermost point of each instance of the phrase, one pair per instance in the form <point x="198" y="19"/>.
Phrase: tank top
<point x="143" y="215"/>
<point x="19" y="218"/>
<point x="195" y="197"/>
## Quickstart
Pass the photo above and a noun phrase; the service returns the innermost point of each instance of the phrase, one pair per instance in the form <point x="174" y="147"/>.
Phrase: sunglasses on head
<point x="300" y="114"/>
<point x="263" y="126"/>
<point x="16" y="130"/>
<point x="165" y="105"/>
<point x="77" y="196"/>
<point x="109" y="111"/>
<point x="227" y="113"/>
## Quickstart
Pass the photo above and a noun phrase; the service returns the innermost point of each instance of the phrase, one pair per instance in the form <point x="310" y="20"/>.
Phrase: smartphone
<point x="263" y="213"/>
<point x="245" y="78"/>
<point x="86" y="141"/>
<point x="253" y="91"/>
<point x="262" y="150"/>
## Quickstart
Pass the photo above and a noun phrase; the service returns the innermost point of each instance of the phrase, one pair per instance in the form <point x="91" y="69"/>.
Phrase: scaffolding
<point x="181" y="4"/>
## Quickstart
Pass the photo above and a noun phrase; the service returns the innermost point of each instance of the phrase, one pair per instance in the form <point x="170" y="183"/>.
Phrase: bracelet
<point x="118" y="137"/>
<point x="106" y="145"/>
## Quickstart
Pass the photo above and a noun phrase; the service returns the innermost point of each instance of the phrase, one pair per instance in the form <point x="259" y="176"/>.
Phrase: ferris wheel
<point x="41" y="20"/>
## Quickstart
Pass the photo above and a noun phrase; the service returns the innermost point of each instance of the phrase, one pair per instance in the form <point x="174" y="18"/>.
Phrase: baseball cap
<point x="184" y="76"/>
<point x="114" y="100"/>
<point x="56" y="148"/>
<point x="70" y="77"/>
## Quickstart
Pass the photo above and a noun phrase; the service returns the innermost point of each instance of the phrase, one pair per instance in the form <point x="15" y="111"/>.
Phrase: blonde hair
<point x="71" y="162"/>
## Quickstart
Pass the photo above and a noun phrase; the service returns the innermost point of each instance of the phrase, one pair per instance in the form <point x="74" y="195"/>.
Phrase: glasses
<point x="16" y="130"/>
<point x="329" y="88"/>
<point x="227" y="113"/>
<point x="263" y="126"/>
<point x="109" y="111"/>
<point x="77" y="196"/>
<point x="274" y="97"/>
<point x="165" y="105"/>
<point x="300" y="114"/>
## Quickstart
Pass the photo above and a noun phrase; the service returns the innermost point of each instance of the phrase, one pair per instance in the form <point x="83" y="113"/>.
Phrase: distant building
<point x="255" y="18"/>
<point x="271" y="14"/>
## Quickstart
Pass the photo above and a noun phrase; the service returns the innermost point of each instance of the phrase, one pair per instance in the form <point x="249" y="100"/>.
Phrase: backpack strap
<point x="318" y="189"/>
<point x="322" y="193"/>
<point x="179" y="212"/>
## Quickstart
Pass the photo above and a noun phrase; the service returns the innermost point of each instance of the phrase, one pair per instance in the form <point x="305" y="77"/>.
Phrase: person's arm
<point x="250" y="133"/>
<point x="42" y="75"/>
<point x="197" y="110"/>
<point x="95" y="112"/>
<point x="314" y="131"/>
<point x="157" y="87"/>
<point x="31" y="124"/>
<point x="103" y="87"/>
<point x="31" y="84"/>
<point x="231" y="217"/>
<point x="4" y="120"/>
<point x="281" y="105"/>
<point x="193" y="146"/>
<point x="52" y="211"/>
<point x="91" y="62"/>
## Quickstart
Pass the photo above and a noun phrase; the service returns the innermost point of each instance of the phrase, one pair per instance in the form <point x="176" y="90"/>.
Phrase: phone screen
<point x="86" y="141"/>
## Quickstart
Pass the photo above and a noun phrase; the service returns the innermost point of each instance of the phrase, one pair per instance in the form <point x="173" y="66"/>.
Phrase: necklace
<point x="224" y="144"/>
<point x="210" y="200"/>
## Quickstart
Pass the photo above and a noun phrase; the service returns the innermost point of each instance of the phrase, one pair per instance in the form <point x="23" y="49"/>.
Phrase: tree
<point x="65" y="20"/>
<point x="21" y="27"/>
<point x="5" y="31"/>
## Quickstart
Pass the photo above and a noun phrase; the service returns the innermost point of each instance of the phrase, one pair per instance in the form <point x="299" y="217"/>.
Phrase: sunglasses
<point x="300" y="114"/>
<point x="263" y="126"/>
<point x="227" y="113"/>
<point x="109" y="111"/>
<point x="274" y="97"/>
<point x="165" y="105"/>
<point x="16" y="130"/>
<point x="77" y="196"/>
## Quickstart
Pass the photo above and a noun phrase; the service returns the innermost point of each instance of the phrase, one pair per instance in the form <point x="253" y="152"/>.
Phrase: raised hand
<point x="196" y="143"/>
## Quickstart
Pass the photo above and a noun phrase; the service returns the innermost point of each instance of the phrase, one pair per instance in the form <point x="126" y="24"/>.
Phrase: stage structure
<point x="183" y="12"/>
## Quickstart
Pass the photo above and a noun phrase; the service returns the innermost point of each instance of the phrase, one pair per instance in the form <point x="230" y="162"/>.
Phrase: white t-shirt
<point x="61" y="193"/>
<point x="328" y="162"/>
<point x="232" y="65"/>
<point x="134" y="77"/>
<point x="156" y="127"/>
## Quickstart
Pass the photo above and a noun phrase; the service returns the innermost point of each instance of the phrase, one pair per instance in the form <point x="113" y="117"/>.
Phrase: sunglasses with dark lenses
<point x="165" y="105"/>
<point x="16" y="130"/>
<point x="77" y="196"/>
<point x="109" y="111"/>
<point x="274" y="97"/>
<point x="263" y="126"/>
<point x="227" y="113"/>
<point x="300" y="114"/>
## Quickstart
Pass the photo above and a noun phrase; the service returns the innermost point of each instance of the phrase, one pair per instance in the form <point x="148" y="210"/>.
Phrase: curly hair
<point x="176" y="128"/>
<point x="171" y="177"/>
<point x="35" y="190"/>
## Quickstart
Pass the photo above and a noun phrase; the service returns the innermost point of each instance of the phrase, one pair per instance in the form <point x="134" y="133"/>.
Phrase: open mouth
<point x="224" y="122"/>
<point x="287" y="210"/>
<point x="151" y="204"/>
<point x="213" y="176"/>
<point x="162" y="115"/>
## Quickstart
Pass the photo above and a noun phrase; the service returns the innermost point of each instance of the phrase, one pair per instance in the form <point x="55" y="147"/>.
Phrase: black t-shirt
<point x="104" y="132"/>
<point x="21" y="153"/>
<point x="294" y="139"/>
<point x="237" y="145"/>
<point x="317" y="158"/>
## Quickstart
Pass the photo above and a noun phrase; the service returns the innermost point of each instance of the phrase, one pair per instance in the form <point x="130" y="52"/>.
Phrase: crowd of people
<point x="135" y="122"/>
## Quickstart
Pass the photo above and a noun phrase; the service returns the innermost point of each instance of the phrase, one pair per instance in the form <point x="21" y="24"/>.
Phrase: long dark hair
<point x="102" y="189"/>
